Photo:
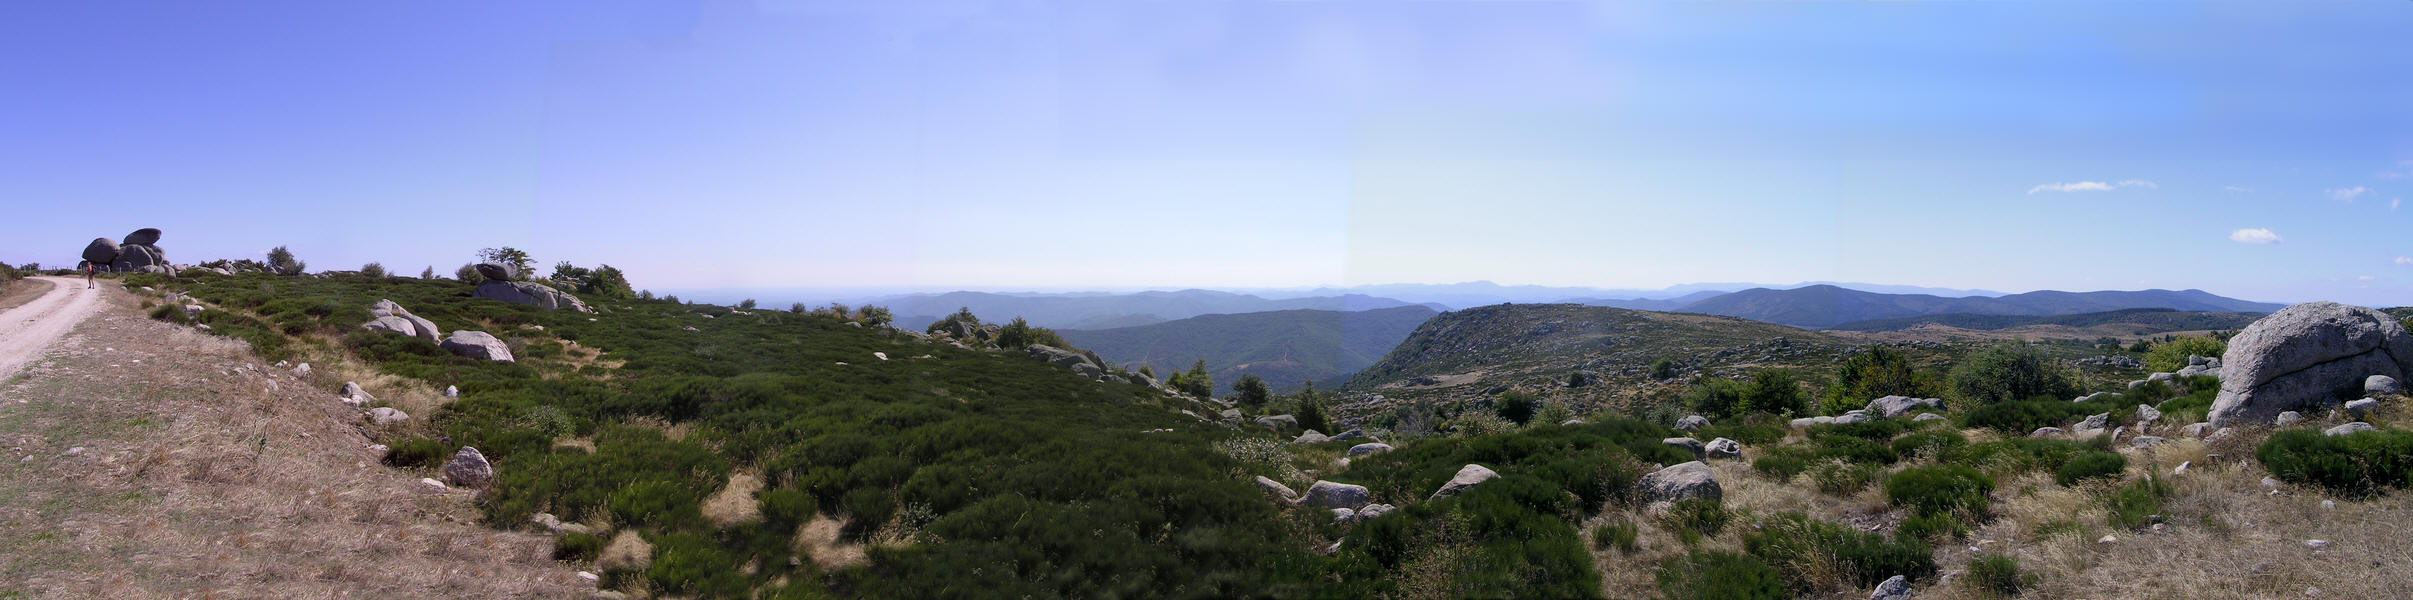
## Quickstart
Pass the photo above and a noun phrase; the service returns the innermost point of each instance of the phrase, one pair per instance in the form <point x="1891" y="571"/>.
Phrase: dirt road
<point x="26" y="330"/>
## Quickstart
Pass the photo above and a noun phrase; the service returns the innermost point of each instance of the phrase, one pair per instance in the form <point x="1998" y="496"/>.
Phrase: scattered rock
<point x="1311" y="437"/>
<point x="1374" y="510"/>
<point x="2382" y="385"/>
<point x="2093" y="422"/>
<point x="2147" y="415"/>
<point x="1686" y="444"/>
<point x="495" y="271"/>
<point x="2091" y="397"/>
<point x="2305" y="354"/>
<point x="1085" y="365"/>
<point x="2182" y="467"/>
<point x="2348" y="429"/>
<point x="452" y="392"/>
<point x="1927" y="417"/>
<point x="301" y="369"/>
<point x="2047" y="432"/>
<point x="2197" y="430"/>
<point x="1277" y="490"/>
<point x="1352" y="434"/>
<point x="1279" y="422"/>
<point x="2316" y="544"/>
<point x="2146" y="441"/>
<point x="2107" y="538"/>
<point x="1370" y="448"/>
<point x="555" y="525"/>
<point x="1808" y="421"/>
<point x="1724" y="448"/>
<point x="384" y="415"/>
<point x="1343" y="515"/>
<point x="477" y="345"/>
<point x="2362" y="408"/>
<point x="468" y="468"/>
<point x="1852" y="417"/>
<point x="2219" y="434"/>
<point x="1467" y="477"/>
<point x="1326" y="494"/>
<point x="431" y="482"/>
<point x="1691" y="423"/>
<point x="353" y="392"/>
<point x="1688" y="480"/>
<point x="2287" y="418"/>
<point x="1895" y="588"/>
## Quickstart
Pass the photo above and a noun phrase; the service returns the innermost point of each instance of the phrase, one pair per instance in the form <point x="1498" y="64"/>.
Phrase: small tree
<point x="797" y="307"/>
<point x="1252" y="390"/>
<point x="516" y="258"/>
<point x="282" y="262"/>
<point x="875" y="316"/>
<point x="1663" y="369"/>
<point x="1880" y="371"/>
<point x="1196" y="382"/>
<point x="1774" y="392"/>
<point x="1311" y="410"/>
<point x="746" y="304"/>
<point x="373" y="270"/>
<point x="1516" y="407"/>
<point x="468" y="274"/>
<point x="2009" y="372"/>
<point x="428" y="273"/>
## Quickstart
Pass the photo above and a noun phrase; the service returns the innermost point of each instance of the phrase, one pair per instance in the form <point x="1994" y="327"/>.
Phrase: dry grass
<point x="735" y="503"/>
<point x="205" y="475"/>
<point x="820" y="540"/>
<point x="16" y="293"/>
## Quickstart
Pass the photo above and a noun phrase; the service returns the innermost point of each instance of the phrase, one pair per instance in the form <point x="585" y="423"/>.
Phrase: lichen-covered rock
<point x="2382" y="385"/>
<point x="495" y="271"/>
<point x="2362" y="408"/>
<point x="478" y="345"/>
<point x="1894" y="406"/>
<point x="1368" y="448"/>
<point x="1326" y="494"/>
<point x="2348" y="429"/>
<point x="2305" y="355"/>
<point x="529" y="293"/>
<point x="1723" y="448"/>
<point x="1691" y="423"/>
<point x="468" y="468"/>
<point x="1277" y="490"/>
<point x="1279" y="422"/>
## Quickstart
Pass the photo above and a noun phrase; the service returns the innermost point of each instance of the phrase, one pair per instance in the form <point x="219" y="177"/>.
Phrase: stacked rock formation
<point x="500" y="285"/>
<point x="139" y="253"/>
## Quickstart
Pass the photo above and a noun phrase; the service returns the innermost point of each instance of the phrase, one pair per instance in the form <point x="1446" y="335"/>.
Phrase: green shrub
<point x="1995" y="575"/>
<point x="1620" y="534"/>
<point x="1844" y="478"/>
<point x="417" y="453"/>
<point x="1748" y="433"/>
<point x="687" y="563"/>
<point x="1663" y="369"/>
<point x="2136" y="504"/>
<point x="1804" y="548"/>
<point x="1878" y="372"/>
<point x="372" y="270"/>
<point x="1933" y="528"/>
<point x="1774" y="392"/>
<point x="1940" y="489"/>
<point x="1714" y="398"/>
<point x="1695" y="518"/>
<point x="1783" y="463"/>
<point x="2027" y="454"/>
<point x="2019" y="418"/>
<point x="282" y="262"/>
<point x="1942" y="445"/>
<point x="168" y="312"/>
<point x="2090" y="465"/>
<point x="659" y="503"/>
<point x="2007" y="372"/>
<point x="1877" y="430"/>
<point x="2172" y="355"/>
<point x="576" y="546"/>
<point x="786" y="507"/>
<point x="2357" y="465"/>
<point x="1854" y="449"/>
<point x="1720" y="576"/>
<point x="1516" y="407"/>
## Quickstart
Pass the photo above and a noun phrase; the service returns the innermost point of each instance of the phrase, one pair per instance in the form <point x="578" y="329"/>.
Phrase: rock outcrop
<point x="1895" y="406"/>
<point x="478" y="345"/>
<point x="1326" y="494"/>
<point x="529" y="293"/>
<point x="1691" y="423"/>
<point x="140" y="253"/>
<point x="1083" y="364"/>
<point x="2305" y="356"/>
<point x="102" y="251"/>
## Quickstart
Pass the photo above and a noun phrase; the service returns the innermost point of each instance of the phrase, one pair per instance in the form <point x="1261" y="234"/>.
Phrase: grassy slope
<point x="1283" y="347"/>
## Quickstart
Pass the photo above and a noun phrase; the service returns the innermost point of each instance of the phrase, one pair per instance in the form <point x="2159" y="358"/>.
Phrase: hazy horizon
<point x="2256" y="150"/>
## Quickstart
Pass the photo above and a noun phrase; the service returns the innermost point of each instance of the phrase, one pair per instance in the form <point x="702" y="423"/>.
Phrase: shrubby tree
<point x="1880" y="371"/>
<point x="746" y="304"/>
<point x="1663" y="369"/>
<point x="1774" y="392"/>
<point x="516" y="258"/>
<point x="875" y="316"/>
<point x="428" y="273"/>
<point x="1714" y="398"/>
<point x="373" y="270"/>
<point x="600" y="282"/>
<point x="282" y="262"/>
<point x="468" y="274"/>
<point x="1020" y="334"/>
<point x="1311" y="408"/>
<point x="2172" y="355"/>
<point x="1516" y="407"/>
<point x="1252" y="390"/>
<point x="2006" y="372"/>
<point x="1196" y="382"/>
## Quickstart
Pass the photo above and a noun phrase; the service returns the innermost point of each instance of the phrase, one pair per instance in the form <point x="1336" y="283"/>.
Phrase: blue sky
<point x="1039" y="145"/>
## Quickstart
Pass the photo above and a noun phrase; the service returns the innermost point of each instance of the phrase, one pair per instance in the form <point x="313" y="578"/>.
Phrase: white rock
<point x="880" y="355"/>
<point x="2316" y="544"/>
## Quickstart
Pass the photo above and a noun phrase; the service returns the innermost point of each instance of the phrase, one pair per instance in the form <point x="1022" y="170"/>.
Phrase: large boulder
<point x="1277" y="490"/>
<point x="131" y="258"/>
<point x="2304" y="356"/>
<point x="1691" y="423"/>
<point x="1894" y="406"/>
<point x="1326" y="494"/>
<point x="478" y="345"/>
<point x="1369" y="448"/>
<point x="1688" y="480"/>
<point x="146" y="236"/>
<point x="529" y="293"/>
<point x="1724" y="448"/>
<point x="495" y="271"/>
<point x="1688" y="445"/>
<point x="102" y="251"/>
<point x="1467" y="477"/>
<point x="1085" y="365"/>
<point x="422" y="328"/>
<point x="397" y="325"/>
<point x="468" y="468"/>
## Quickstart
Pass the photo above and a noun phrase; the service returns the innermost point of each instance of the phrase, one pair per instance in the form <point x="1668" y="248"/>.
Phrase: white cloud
<point x="2365" y="278"/>
<point x="2348" y="194"/>
<point x="2404" y="260"/>
<point x="2403" y="169"/>
<point x="2237" y="188"/>
<point x="2394" y="202"/>
<point x="2254" y="236"/>
<point x="2092" y="186"/>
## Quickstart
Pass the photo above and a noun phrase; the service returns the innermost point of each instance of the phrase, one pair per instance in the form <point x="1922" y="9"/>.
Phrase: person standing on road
<point x="88" y="274"/>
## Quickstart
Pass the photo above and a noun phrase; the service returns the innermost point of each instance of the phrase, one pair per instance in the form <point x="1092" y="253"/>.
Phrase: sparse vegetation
<point x="1940" y="489"/>
<point x="1809" y="551"/>
<point x="1995" y="575"/>
<point x="2172" y="355"/>
<point x="1715" y="575"/>
<point x="2008" y="372"/>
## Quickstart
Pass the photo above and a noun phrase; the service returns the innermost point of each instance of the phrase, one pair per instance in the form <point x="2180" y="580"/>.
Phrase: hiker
<point x="87" y="274"/>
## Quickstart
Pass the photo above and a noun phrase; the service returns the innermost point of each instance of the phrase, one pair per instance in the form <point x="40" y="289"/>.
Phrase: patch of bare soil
<point x="16" y="293"/>
<point x="147" y="460"/>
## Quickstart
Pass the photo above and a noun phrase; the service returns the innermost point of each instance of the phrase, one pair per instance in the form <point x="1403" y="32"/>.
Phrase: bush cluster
<point x="2357" y="465"/>
<point x="1713" y="575"/>
<point x="1803" y="548"/>
<point x="2008" y="372"/>
<point x="1940" y="489"/>
<point x="2095" y="464"/>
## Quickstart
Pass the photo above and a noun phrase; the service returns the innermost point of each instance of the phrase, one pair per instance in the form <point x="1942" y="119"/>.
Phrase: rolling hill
<point x="1067" y="311"/>
<point x="2150" y="320"/>
<point x="1821" y="306"/>
<point x="1282" y="347"/>
<point x="1525" y="341"/>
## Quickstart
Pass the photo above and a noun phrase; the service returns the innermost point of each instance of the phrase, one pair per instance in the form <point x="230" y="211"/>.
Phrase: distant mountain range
<point x="1820" y="306"/>
<point x="1100" y="311"/>
<point x="1282" y="347"/>
<point x="2137" y="320"/>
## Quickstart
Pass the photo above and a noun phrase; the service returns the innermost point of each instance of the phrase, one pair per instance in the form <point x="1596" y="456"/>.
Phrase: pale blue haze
<point x="1117" y="145"/>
